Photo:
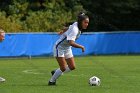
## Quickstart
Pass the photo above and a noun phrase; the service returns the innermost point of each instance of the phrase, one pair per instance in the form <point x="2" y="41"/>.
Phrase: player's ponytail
<point x="81" y="16"/>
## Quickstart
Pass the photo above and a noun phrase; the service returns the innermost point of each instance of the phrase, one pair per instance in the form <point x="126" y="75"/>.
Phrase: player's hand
<point x="83" y="49"/>
<point x="63" y="30"/>
<point x="60" y="33"/>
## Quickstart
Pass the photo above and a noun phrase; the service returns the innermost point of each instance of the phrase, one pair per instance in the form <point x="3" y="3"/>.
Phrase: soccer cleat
<point x="51" y="83"/>
<point x="2" y="79"/>
<point x="52" y="72"/>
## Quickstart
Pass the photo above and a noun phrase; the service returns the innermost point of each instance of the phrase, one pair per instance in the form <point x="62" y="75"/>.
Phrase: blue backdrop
<point x="41" y="44"/>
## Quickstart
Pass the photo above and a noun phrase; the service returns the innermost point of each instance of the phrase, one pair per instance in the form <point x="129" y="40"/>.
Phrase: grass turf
<point x="118" y="74"/>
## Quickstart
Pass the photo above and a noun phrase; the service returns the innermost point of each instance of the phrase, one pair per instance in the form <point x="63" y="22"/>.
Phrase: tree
<point x="114" y="15"/>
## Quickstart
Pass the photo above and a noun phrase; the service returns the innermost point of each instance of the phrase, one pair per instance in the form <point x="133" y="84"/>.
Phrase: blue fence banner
<point x="41" y="44"/>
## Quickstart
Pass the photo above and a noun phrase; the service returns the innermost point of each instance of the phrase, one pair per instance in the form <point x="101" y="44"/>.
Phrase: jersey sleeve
<point x="72" y="34"/>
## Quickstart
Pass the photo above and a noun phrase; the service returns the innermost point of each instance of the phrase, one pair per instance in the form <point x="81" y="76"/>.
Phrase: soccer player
<point x="2" y="37"/>
<point x="62" y="47"/>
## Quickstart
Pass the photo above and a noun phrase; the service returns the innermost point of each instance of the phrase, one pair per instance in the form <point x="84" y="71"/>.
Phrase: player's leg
<point x="63" y="67"/>
<point x="62" y="63"/>
<point x="70" y="61"/>
<point x="59" y="55"/>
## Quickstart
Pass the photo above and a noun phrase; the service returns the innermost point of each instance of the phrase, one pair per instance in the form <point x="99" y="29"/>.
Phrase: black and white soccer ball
<point x="94" y="81"/>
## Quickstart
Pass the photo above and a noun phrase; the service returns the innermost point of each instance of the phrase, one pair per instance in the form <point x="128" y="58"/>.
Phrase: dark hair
<point x="81" y="16"/>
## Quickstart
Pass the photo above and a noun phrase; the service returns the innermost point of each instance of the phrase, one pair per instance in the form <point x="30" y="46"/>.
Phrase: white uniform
<point x="62" y="47"/>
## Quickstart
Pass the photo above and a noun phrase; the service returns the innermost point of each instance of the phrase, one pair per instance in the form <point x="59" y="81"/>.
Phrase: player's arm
<point x="72" y="43"/>
<point x="63" y="30"/>
<point x="71" y="37"/>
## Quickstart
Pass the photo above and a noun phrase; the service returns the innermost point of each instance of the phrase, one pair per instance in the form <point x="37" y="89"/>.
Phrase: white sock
<point x="56" y="75"/>
<point x="67" y="70"/>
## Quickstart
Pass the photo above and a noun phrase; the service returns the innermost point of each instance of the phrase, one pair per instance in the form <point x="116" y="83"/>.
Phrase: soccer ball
<point x="94" y="81"/>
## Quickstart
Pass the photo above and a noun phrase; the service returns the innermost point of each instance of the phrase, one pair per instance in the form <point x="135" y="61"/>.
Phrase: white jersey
<point x="72" y="33"/>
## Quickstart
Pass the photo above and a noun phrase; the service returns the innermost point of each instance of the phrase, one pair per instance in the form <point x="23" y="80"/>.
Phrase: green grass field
<point x="118" y="74"/>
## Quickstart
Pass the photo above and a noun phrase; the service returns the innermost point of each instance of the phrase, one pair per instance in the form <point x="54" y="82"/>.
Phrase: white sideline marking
<point x="33" y="71"/>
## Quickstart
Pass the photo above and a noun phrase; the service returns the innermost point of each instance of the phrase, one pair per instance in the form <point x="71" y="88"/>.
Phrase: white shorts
<point x="60" y="52"/>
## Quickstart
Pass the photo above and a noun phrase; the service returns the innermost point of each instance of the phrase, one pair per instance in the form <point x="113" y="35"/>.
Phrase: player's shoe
<point x="52" y="72"/>
<point x="52" y="83"/>
<point x="2" y="79"/>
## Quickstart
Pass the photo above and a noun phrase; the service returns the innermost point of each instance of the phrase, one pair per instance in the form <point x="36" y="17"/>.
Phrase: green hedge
<point x="33" y="16"/>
